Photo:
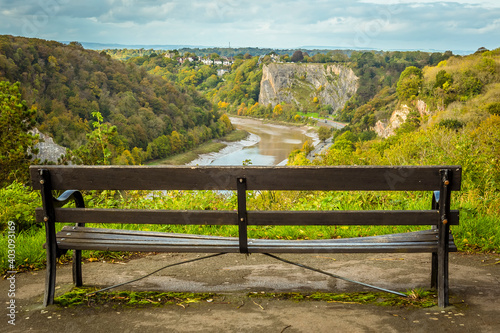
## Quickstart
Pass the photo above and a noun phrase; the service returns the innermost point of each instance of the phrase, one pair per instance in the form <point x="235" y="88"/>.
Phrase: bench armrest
<point x="69" y="195"/>
<point x="435" y="200"/>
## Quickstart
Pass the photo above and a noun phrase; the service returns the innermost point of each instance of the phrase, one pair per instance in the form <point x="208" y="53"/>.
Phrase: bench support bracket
<point x="242" y="214"/>
<point x="443" y="241"/>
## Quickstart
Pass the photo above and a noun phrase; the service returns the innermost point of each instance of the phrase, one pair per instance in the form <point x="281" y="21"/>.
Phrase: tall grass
<point x="478" y="230"/>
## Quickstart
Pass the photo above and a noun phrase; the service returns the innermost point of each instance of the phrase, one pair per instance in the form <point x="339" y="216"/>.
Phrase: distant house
<point x="183" y="60"/>
<point x="222" y="71"/>
<point x="207" y="61"/>
<point x="219" y="62"/>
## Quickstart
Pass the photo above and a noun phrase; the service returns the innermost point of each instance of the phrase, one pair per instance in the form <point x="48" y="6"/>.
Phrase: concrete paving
<point x="474" y="289"/>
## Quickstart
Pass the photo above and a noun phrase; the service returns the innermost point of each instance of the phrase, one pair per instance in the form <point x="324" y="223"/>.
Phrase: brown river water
<point x="267" y="144"/>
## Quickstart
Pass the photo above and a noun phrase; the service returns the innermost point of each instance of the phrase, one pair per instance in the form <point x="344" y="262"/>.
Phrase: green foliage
<point x="69" y="84"/>
<point x="16" y="143"/>
<point x="477" y="150"/>
<point x="324" y="133"/>
<point x="17" y="204"/>
<point x="317" y="55"/>
<point x="29" y="251"/>
<point x="443" y="79"/>
<point x="97" y="149"/>
<point x="87" y="297"/>
<point x="411" y="124"/>
<point x="417" y="298"/>
<point x="452" y="124"/>
<point x="493" y="108"/>
<point x="461" y="78"/>
<point x="410" y="83"/>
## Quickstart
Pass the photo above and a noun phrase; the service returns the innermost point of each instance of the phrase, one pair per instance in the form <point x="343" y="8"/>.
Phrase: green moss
<point x="417" y="299"/>
<point x="84" y="297"/>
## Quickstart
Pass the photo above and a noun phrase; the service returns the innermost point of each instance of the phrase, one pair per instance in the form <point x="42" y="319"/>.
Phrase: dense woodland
<point x="70" y="86"/>
<point x="237" y="53"/>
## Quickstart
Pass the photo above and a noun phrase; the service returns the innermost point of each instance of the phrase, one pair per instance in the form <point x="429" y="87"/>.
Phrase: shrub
<point x="452" y="124"/>
<point x="17" y="203"/>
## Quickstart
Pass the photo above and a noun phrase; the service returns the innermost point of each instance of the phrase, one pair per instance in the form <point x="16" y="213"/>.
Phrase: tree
<point x="97" y="149"/>
<point x="442" y="78"/>
<point x="278" y="110"/>
<point x="297" y="56"/>
<point x="324" y="133"/>
<point x="16" y="120"/>
<point x="410" y="82"/>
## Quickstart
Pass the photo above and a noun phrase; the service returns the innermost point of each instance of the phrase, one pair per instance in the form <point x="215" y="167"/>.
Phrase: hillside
<point x="447" y="114"/>
<point x="237" y="85"/>
<point x="68" y="85"/>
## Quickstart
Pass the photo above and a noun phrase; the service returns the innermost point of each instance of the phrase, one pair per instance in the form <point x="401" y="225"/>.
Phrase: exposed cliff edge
<point x="307" y="84"/>
<point x="385" y="129"/>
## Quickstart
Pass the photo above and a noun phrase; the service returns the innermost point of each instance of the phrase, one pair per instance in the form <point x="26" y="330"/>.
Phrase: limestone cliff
<point x="307" y="84"/>
<point x="386" y="129"/>
<point x="48" y="150"/>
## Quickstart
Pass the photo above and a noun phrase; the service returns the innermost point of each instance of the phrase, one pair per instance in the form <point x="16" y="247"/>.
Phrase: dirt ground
<point x="474" y="289"/>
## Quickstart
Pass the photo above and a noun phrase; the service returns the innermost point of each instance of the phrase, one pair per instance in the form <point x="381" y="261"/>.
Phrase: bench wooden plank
<point x="136" y="233"/>
<point x="323" y="178"/>
<point x="133" y="240"/>
<point x="216" y="217"/>
<point x="105" y="233"/>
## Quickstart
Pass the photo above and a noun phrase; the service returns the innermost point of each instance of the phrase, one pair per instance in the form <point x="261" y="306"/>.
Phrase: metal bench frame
<point x="440" y="179"/>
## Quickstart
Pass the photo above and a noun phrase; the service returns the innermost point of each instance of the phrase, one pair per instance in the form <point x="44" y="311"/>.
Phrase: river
<point x="268" y="144"/>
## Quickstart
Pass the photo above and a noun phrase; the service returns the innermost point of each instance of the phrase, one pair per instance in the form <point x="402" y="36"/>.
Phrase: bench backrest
<point x="323" y="178"/>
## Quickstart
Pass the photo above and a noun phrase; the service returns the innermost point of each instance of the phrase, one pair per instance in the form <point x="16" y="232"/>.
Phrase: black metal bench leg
<point x="443" y="284"/>
<point x="443" y="240"/>
<point x="77" y="268"/>
<point x="434" y="270"/>
<point x="50" y="280"/>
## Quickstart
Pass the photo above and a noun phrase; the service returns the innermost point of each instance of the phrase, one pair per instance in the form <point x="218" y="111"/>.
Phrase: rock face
<point x="385" y="129"/>
<point x="307" y="83"/>
<point x="48" y="150"/>
<point x="398" y="117"/>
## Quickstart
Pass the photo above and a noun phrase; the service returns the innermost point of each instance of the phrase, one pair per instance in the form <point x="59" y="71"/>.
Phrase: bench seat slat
<point x="132" y="240"/>
<point x="101" y="233"/>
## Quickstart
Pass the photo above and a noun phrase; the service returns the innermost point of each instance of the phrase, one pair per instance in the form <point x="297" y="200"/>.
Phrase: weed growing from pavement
<point x="425" y="299"/>
<point x="83" y="297"/>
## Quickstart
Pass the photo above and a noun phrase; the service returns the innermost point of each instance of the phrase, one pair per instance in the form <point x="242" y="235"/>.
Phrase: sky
<point x="360" y="24"/>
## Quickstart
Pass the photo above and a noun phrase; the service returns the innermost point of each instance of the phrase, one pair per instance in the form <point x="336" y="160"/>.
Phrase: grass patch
<point x="416" y="298"/>
<point x="479" y="229"/>
<point x="309" y="114"/>
<point x="84" y="297"/>
<point x="236" y="135"/>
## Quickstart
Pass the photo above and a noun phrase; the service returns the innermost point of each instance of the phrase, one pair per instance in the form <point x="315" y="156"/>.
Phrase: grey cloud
<point x="257" y="23"/>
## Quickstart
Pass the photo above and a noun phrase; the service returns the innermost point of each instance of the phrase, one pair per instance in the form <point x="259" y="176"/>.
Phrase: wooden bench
<point x="437" y="240"/>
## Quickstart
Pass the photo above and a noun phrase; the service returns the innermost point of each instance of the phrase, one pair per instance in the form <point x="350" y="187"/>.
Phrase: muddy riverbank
<point x="267" y="144"/>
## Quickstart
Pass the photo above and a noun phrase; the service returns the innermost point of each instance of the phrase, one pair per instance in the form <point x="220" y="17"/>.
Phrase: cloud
<point x="420" y="24"/>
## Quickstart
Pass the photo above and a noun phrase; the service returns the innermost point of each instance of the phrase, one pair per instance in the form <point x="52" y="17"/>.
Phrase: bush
<point x="452" y="124"/>
<point x="493" y="108"/>
<point x="17" y="203"/>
